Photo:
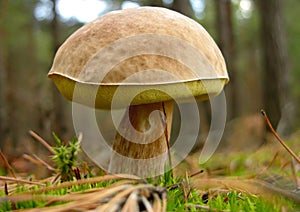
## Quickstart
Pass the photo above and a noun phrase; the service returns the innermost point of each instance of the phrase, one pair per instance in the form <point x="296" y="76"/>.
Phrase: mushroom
<point x="144" y="59"/>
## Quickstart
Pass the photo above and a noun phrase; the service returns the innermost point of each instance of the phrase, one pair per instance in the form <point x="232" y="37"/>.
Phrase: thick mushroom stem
<point x="142" y="140"/>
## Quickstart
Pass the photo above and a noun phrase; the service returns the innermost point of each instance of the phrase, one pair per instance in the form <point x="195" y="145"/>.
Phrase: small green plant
<point x="65" y="157"/>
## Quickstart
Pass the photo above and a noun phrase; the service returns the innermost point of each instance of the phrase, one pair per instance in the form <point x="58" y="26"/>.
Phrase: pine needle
<point x="42" y="141"/>
<point x="277" y="136"/>
<point x="7" y="165"/>
<point x="12" y="179"/>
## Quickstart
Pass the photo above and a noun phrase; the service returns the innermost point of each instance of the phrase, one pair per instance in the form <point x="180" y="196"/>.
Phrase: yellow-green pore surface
<point x="101" y="96"/>
<point x="99" y="58"/>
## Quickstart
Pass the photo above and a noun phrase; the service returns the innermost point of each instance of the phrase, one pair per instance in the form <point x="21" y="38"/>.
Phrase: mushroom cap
<point x="144" y="54"/>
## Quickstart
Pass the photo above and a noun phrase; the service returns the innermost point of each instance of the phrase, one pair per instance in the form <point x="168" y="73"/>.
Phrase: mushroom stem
<point x="142" y="140"/>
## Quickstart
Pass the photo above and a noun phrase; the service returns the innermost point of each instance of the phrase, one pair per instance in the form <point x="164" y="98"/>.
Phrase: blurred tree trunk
<point x="226" y="43"/>
<point x="7" y="120"/>
<point x="57" y="115"/>
<point x="154" y="3"/>
<point x="276" y="67"/>
<point x="2" y="94"/>
<point x="18" y="79"/>
<point x="184" y="7"/>
<point x="3" y="11"/>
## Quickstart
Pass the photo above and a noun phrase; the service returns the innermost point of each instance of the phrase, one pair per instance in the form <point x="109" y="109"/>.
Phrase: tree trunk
<point x="226" y="44"/>
<point x="7" y="105"/>
<point x="184" y="7"/>
<point x="276" y="67"/>
<point x="3" y="12"/>
<point x="154" y="3"/>
<point x="57" y="115"/>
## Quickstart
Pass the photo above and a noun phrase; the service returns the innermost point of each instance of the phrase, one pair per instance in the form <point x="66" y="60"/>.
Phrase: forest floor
<point x="265" y="180"/>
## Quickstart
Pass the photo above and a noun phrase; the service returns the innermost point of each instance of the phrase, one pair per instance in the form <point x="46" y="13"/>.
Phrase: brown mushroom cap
<point x="155" y="48"/>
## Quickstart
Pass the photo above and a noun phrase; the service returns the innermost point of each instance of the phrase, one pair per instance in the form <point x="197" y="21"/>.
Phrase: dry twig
<point x="196" y="173"/>
<point x="42" y="141"/>
<point x="277" y="136"/>
<point x="7" y="165"/>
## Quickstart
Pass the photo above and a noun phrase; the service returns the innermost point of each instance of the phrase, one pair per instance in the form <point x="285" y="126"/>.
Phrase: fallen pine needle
<point x="277" y="136"/>
<point x="42" y="141"/>
<point x="247" y="186"/>
<point x="38" y="161"/>
<point x="12" y="179"/>
<point x="122" y="195"/>
<point x="8" y="166"/>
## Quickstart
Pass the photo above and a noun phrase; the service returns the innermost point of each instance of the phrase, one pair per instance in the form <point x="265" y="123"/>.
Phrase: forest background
<point x="260" y="40"/>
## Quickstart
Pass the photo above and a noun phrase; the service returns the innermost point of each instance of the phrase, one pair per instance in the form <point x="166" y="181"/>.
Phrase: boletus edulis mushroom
<point x="144" y="59"/>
